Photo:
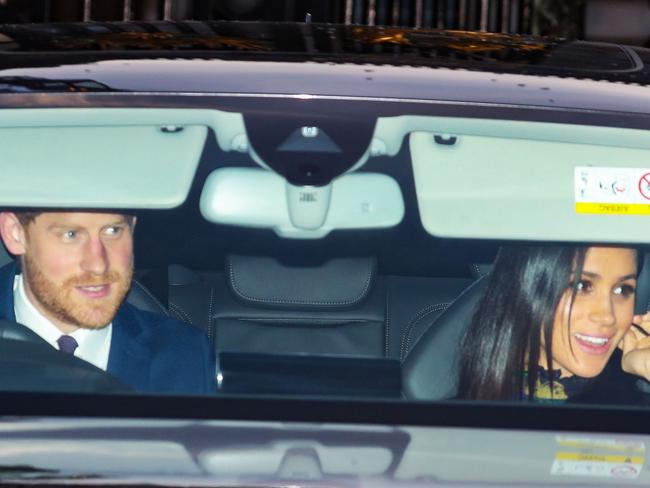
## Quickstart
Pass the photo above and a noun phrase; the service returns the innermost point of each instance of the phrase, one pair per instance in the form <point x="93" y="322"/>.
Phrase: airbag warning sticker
<point x="588" y="456"/>
<point x="612" y="190"/>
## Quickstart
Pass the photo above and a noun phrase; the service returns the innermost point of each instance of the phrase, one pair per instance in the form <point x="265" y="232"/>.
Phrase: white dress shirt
<point x="94" y="344"/>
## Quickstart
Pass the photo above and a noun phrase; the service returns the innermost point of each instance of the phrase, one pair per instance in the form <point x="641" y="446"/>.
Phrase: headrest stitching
<point x="406" y="340"/>
<point x="423" y="312"/>
<point x="364" y="291"/>
<point x="387" y="335"/>
<point x="179" y="311"/>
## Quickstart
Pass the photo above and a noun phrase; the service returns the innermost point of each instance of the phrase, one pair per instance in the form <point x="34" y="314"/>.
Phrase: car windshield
<point x="245" y="222"/>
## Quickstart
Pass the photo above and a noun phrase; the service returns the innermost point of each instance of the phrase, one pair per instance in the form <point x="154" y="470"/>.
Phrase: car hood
<point x="86" y="451"/>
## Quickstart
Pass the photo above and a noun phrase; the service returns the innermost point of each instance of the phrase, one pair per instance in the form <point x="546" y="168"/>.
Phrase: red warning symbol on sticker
<point x="644" y="186"/>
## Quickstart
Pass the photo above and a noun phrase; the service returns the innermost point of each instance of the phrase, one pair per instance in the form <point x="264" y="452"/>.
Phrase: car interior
<point x="372" y="310"/>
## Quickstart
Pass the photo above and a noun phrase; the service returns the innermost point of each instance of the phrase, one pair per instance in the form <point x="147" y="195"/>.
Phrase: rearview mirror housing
<point x="259" y="198"/>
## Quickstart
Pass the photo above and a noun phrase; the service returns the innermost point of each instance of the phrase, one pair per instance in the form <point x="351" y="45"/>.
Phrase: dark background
<point x="625" y="21"/>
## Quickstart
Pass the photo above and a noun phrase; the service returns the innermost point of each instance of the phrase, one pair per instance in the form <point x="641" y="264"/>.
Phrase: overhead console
<point x="308" y="148"/>
<point x="309" y="151"/>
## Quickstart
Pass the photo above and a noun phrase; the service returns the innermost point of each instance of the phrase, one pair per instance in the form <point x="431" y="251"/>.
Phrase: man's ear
<point x="12" y="233"/>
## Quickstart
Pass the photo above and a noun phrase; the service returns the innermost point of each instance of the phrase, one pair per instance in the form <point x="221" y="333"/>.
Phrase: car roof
<point x="321" y="60"/>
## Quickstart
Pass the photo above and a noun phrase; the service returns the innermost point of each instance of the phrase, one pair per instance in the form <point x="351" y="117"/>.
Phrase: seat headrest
<point x="431" y="370"/>
<point x="139" y="296"/>
<point x="265" y="282"/>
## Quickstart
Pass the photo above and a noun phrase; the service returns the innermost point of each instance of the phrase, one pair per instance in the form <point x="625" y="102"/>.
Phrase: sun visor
<point x="93" y="158"/>
<point x="259" y="198"/>
<point x="533" y="181"/>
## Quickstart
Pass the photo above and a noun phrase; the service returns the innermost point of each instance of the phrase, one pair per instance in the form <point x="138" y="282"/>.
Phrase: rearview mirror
<point x="259" y="198"/>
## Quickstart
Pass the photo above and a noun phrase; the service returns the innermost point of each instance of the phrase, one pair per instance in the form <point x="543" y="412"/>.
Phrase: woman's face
<point x="601" y="314"/>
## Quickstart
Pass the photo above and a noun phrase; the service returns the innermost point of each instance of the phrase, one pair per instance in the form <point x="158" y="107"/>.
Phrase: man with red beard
<point x="74" y="272"/>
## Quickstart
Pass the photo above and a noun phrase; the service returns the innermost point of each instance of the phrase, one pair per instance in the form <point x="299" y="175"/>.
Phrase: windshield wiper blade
<point x="26" y="472"/>
<point x="26" y="84"/>
<point x="13" y="470"/>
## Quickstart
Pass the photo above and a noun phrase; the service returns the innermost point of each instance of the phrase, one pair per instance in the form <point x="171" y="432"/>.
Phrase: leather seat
<point x="430" y="371"/>
<point x="262" y="305"/>
<point x="341" y="306"/>
<point x="332" y="308"/>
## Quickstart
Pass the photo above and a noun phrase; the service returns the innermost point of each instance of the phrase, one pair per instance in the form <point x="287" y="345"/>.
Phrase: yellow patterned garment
<point x="562" y="389"/>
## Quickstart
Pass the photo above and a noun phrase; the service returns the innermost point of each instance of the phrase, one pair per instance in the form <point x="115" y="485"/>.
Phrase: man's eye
<point x="624" y="290"/>
<point x="69" y="235"/>
<point x="114" y="230"/>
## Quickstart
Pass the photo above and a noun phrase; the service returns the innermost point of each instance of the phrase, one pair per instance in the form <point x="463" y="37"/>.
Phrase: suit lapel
<point x="7" y="275"/>
<point x="130" y="356"/>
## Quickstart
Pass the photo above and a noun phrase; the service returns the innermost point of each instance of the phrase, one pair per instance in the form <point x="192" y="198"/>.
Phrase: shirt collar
<point x="90" y="340"/>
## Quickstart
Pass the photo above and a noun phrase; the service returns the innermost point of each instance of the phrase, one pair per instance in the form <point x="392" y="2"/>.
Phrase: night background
<point x="626" y="21"/>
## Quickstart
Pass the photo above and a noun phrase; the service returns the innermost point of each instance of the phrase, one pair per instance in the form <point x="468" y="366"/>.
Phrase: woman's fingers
<point x="643" y="320"/>
<point x="635" y="339"/>
<point x="643" y="343"/>
<point x="637" y="362"/>
<point x="629" y="340"/>
<point x="636" y="353"/>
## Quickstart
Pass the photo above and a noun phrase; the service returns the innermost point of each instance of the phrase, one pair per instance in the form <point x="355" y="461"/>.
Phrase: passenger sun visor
<point x="259" y="198"/>
<point x="520" y="180"/>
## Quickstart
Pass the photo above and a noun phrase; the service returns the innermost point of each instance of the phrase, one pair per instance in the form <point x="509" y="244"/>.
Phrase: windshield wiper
<point x="26" y="84"/>
<point x="18" y="470"/>
<point x="26" y="472"/>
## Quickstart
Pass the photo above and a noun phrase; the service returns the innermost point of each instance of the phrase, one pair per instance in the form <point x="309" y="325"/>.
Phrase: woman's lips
<point x="593" y="344"/>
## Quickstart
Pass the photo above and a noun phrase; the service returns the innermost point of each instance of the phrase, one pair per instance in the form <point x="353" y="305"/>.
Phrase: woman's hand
<point x="636" y="348"/>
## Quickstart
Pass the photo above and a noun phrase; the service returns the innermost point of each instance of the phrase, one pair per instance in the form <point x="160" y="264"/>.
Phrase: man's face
<point x="77" y="266"/>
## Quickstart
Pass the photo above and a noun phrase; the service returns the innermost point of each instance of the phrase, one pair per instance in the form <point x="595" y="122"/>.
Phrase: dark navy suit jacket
<point x="149" y="352"/>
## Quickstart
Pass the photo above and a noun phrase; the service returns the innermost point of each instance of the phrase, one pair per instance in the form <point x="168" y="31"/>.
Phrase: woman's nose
<point x="602" y="311"/>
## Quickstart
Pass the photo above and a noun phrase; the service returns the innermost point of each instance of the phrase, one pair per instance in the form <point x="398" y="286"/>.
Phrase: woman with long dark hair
<point x="550" y="320"/>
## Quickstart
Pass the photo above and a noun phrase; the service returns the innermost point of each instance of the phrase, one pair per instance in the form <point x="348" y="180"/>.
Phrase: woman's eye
<point x="583" y="286"/>
<point x="624" y="290"/>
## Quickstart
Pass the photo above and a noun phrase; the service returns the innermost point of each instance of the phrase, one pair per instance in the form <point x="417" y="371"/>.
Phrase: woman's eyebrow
<point x="628" y="277"/>
<point x="591" y="274"/>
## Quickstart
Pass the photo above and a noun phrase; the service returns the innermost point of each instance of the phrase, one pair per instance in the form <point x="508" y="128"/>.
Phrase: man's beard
<point x="67" y="305"/>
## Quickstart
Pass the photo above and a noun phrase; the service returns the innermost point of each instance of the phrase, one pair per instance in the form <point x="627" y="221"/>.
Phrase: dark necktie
<point x="67" y="344"/>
